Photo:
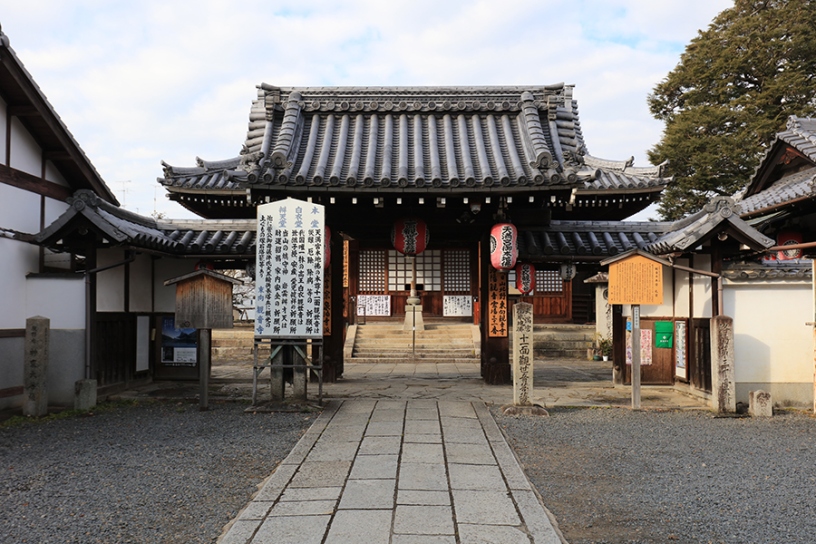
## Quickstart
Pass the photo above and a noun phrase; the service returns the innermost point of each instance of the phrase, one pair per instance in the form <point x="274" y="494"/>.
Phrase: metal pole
<point x="635" y="356"/>
<point x="413" y="332"/>
<point x="204" y="336"/>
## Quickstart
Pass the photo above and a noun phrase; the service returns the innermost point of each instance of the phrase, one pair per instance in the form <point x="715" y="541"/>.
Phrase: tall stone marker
<point x="38" y="331"/>
<point x="522" y="354"/>
<point x="723" y="387"/>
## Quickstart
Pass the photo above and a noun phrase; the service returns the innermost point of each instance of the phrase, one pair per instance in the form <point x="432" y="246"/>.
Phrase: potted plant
<point x="605" y="347"/>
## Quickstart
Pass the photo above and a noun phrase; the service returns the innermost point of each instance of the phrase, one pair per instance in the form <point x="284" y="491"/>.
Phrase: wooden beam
<point x="27" y="182"/>
<point x="12" y="333"/>
<point x="23" y="110"/>
<point x="11" y="392"/>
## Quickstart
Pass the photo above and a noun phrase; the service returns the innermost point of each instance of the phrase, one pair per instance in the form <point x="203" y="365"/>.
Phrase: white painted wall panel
<point x="16" y="260"/>
<point x="19" y="209"/>
<point x="54" y="209"/>
<point x="62" y="300"/>
<point x="141" y="285"/>
<point x="681" y="290"/>
<point x="25" y="153"/>
<point x="772" y="344"/>
<point x="110" y="284"/>
<point x="702" y="287"/>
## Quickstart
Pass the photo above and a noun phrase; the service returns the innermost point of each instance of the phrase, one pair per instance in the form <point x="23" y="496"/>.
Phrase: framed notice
<point x="178" y="346"/>
<point x="374" y="305"/>
<point x="680" y="349"/>
<point x="496" y="303"/>
<point x="636" y="280"/>
<point x="289" y="278"/>
<point x="457" y="306"/>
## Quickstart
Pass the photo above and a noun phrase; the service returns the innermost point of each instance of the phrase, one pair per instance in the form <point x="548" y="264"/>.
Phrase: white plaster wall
<point x="2" y="131"/>
<point x="772" y="344"/>
<point x="25" y="153"/>
<point x="53" y="175"/>
<point x="667" y="308"/>
<point x="110" y="284"/>
<point x="54" y="209"/>
<point x="62" y="300"/>
<point x="681" y="290"/>
<point x="165" y="297"/>
<point x="19" y="209"/>
<point x="141" y="299"/>
<point x="16" y="260"/>
<point x="702" y="287"/>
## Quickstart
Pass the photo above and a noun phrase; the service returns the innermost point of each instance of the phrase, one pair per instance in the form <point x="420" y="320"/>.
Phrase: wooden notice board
<point x="636" y="280"/>
<point x="497" y="303"/>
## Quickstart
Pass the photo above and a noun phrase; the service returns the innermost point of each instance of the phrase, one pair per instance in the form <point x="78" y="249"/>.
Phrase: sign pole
<point x="635" y="356"/>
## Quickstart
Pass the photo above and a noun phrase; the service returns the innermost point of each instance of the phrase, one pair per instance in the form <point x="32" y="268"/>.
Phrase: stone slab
<point x="463" y="435"/>
<point x="423" y="438"/>
<point x="321" y="474"/>
<point x="292" y="530"/>
<point x="277" y="481"/>
<point x="485" y="507"/>
<point x="423" y="539"/>
<point x="491" y="534"/>
<point x="422" y="453"/>
<point x="357" y="407"/>
<point x="513" y="473"/>
<point x="419" y="414"/>
<point x="384" y="428"/>
<point x="343" y="433"/>
<point x="536" y="518"/>
<point x="476" y="477"/>
<point x="391" y="404"/>
<point x="456" y="409"/>
<point x="256" y="510"/>
<point x="469" y="454"/>
<point x="349" y="526"/>
<point x="423" y="520"/>
<point x="381" y="414"/>
<point x="423" y="476"/>
<point x="422" y="426"/>
<point x="311" y="493"/>
<point x="423" y="498"/>
<point x="332" y="451"/>
<point x="303" y="508"/>
<point x="377" y="445"/>
<point x="374" y="467"/>
<point x="368" y="494"/>
<point x="241" y="532"/>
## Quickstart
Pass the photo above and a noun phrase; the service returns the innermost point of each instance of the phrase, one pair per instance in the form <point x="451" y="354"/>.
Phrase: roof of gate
<point x="413" y="138"/>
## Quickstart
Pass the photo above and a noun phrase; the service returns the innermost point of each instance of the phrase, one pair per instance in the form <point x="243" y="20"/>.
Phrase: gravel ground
<point x="613" y="475"/>
<point x="147" y="473"/>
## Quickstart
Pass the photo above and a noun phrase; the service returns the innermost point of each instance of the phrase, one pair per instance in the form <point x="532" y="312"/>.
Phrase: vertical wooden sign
<point x="497" y="303"/>
<point x="327" y="305"/>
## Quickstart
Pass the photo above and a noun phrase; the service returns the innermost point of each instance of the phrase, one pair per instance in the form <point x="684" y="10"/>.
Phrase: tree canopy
<point x="734" y="88"/>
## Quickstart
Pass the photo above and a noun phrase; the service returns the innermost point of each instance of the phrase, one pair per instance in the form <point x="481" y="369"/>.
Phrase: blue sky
<point x="141" y="82"/>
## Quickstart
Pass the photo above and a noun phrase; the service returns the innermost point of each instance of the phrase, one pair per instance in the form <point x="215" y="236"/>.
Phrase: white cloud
<point x="141" y="82"/>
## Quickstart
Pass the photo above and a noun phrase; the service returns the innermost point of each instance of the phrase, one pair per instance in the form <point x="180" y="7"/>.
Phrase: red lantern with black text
<point x="525" y="278"/>
<point x="788" y="238"/>
<point x="410" y="236"/>
<point x="327" y="245"/>
<point x="503" y="246"/>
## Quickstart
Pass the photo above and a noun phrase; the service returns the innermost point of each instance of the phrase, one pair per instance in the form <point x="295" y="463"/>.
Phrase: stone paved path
<point x="397" y="472"/>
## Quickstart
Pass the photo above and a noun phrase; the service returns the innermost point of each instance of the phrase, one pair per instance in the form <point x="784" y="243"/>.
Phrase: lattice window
<point x="549" y="281"/>
<point x="457" y="271"/>
<point x="372" y="271"/>
<point x="429" y="270"/>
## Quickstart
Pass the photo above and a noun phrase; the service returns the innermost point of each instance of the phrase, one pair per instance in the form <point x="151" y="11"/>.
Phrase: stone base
<point x="410" y="312"/>
<point x="760" y="404"/>
<point x="84" y="394"/>
<point x="528" y="410"/>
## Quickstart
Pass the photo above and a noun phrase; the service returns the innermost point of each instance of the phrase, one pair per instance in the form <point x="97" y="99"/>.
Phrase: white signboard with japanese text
<point x="289" y="270"/>
<point x="376" y="305"/>
<point x="457" y="306"/>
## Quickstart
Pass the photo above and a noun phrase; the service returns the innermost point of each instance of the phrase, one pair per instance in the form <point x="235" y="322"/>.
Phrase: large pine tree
<point x="735" y="86"/>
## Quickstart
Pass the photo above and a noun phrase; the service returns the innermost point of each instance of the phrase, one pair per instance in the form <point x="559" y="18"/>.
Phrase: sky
<point x="142" y="82"/>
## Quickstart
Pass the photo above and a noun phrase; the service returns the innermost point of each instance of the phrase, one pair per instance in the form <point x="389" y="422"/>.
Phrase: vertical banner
<point x="327" y="305"/>
<point x="497" y="303"/>
<point x="289" y="260"/>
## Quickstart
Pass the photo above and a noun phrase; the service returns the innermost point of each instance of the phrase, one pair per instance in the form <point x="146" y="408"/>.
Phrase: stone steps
<point x="563" y="340"/>
<point x="389" y="343"/>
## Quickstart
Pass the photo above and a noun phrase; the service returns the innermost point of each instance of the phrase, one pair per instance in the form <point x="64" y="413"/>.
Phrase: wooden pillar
<point x="495" y="349"/>
<point x="333" y="344"/>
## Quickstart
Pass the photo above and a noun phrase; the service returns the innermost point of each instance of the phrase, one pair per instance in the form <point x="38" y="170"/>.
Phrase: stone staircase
<point x="386" y="342"/>
<point x="563" y="340"/>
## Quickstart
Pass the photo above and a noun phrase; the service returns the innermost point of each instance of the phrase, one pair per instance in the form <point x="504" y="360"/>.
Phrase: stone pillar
<point x="760" y="404"/>
<point x="35" y="368"/>
<point x="276" y="382"/>
<point x="84" y="394"/>
<point x="522" y="353"/>
<point x="298" y="377"/>
<point x="723" y="388"/>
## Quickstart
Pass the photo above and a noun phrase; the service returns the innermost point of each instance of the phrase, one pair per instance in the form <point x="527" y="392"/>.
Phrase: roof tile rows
<point x="798" y="186"/>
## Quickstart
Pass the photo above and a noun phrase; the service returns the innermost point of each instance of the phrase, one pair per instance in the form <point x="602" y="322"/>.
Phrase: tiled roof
<point x="413" y="138"/>
<point x="798" y="186"/>
<point x="587" y="238"/>
<point x="797" y="270"/>
<point x="801" y="134"/>
<point x="689" y="232"/>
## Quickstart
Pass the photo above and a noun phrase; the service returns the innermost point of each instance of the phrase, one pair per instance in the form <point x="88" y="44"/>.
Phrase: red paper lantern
<point x="503" y="246"/>
<point x="410" y="236"/>
<point x="525" y="278"/>
<point x="327" y="245"/>
<point x="787" y="238"/>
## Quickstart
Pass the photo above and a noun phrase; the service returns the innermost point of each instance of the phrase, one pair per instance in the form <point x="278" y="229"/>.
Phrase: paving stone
<point x="487" y="477"/>
<point x="276" y="483"/>
<point x="456" y="409"/>
<point x="423" y="498"/>
<point x="469" y="454"/>
<point x="422" y="453"/>
<point x="423" y="520"/>
<point x="368" y="494"/>
<point x="484" y="507"/>
<point x="303" y="508"/>
<point x="422" y="404"/>
<point x="292" y="530"/>
<point x="241" y="532"/>
<point x="423" y="539"/>
<point x="311" y="493"/>
<point x="356" y="526"/>
<point x="510" y="467"/>
<point x="463" y="435"/>
<point x="419" y="414"/>
<point x="372" y="467"/>
<point x="357" y="407"/>
<point x="391" y="404"/>
<point x="376" y="445"/>
<point x="321" y="474"/>
<point x="491" y="534"/>
<point x="256" y="510"/>
<point x="422" y="426"/>
<point x="423" y="476"/>
<point x="423" y="438"/>
<point x="452" y="423"/>
<point x="491" y="429"/>
<point x="332" y="451"/>
<point x="536" y="518"/>
<point x="300" y="451"/>
<point x="380" y="415"/>
<point x="384" y="428"/>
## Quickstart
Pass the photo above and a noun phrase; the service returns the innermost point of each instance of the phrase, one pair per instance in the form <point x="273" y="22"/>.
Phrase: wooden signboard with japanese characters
<point x="497" y="303"/>
<point x="289" y="281"/>
<point x="636" y="280"/>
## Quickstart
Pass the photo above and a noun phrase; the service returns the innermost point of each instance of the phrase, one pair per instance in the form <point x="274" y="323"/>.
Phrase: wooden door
<point x="700" y="353"/>
<point x="657" y="363"/>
